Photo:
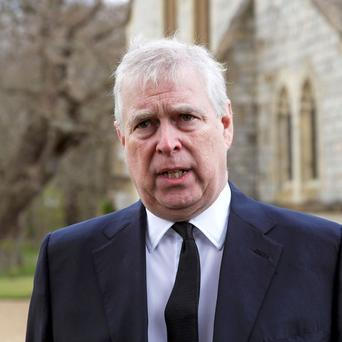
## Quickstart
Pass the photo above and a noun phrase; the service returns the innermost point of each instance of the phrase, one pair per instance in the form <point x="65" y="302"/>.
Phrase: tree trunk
<point x="71" y="205"/>
<point x="34" y="164"/>
<point x="52" y="72"/>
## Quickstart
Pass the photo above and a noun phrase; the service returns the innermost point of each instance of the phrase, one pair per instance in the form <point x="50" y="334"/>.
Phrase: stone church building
<point x="284" y="77"/>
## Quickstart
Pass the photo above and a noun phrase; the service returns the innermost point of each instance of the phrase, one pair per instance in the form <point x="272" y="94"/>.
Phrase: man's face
<point x="175" y="145"/>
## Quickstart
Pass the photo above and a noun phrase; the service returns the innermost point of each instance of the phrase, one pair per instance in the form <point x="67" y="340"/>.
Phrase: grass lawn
<point x="19" y="287"/>
<point x="16" y="282"/>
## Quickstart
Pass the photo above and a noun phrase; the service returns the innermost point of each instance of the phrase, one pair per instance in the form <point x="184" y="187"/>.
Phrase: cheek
<point x="138" y="158"/>
<point x="209" y="147"/>
<point x="211" y="156"/>
<point x="204" y="156"/>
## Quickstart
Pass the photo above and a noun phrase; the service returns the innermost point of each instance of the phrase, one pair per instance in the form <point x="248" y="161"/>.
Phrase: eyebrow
<point x="145" y="114"/>
<point x="139" y="116"/>
<point x="185" y="108"/>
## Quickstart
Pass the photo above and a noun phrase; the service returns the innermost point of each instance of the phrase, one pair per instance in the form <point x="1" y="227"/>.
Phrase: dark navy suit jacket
<point x="280" y="280"/>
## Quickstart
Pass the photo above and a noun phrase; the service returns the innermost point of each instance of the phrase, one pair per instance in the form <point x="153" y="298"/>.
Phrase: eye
<point x="144" y="124"/>
<point x="187" y="117"/>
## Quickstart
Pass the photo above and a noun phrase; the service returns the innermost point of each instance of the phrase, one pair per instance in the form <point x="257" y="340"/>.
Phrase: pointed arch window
<point x="284" y="138"/>
<point x="170" y="17"/>
<point x="199" y="18"/>
<point x="308" y="134"/>
<point x="202" y="22"/>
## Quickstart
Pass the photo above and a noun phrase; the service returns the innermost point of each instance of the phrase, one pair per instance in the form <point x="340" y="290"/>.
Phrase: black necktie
<point x="181" y="311"/>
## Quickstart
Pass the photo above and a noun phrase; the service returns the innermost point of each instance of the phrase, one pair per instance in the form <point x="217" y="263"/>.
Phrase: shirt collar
<point x="212" y="222"/>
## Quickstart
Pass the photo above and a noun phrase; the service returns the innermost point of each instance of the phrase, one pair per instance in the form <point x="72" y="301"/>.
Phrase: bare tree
<point x="56" y="57"/>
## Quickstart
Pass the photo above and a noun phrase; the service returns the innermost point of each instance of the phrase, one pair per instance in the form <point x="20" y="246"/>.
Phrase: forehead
<point x="186" y="84"/>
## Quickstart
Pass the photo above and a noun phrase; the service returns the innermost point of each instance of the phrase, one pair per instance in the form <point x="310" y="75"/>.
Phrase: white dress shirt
<point x="163" y="247"/>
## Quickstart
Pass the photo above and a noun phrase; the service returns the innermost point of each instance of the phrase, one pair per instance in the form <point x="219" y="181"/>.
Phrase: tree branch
<point x="87" y="17"/>
<point x="123" y="22"/>
<point x="20" y="91"/>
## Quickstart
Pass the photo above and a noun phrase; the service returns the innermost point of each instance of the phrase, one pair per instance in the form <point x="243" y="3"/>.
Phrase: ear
<point x="227" y="122"/>
<point x="119" y="133"/>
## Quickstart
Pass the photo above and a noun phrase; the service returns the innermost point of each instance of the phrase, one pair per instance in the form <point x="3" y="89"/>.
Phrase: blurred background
<point x="60" y="161"/>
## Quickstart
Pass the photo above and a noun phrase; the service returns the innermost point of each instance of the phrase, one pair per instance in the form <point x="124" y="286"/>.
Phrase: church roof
<point x="232" y="29"/>
<point x="330" y="9"/>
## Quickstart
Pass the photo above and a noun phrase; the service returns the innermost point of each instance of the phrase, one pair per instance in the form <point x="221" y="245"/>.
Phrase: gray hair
<point x="160" y="59"/>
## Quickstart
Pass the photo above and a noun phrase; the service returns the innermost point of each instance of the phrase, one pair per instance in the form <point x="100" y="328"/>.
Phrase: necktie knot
<point x="184" y="229"/>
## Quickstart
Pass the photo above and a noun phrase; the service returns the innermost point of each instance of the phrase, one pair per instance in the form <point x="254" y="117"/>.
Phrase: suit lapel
<point x="248" y="264"/>
<point x="121" y="271"/>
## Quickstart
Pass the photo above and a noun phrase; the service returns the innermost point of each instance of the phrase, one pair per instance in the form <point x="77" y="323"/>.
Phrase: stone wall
<point x="278" y="45"/>
<point x="241" y="78"/>
<point x="296" y="43"/>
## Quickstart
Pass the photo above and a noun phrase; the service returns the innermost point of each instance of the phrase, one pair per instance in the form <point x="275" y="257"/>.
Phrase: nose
<point x="168" y="139"/>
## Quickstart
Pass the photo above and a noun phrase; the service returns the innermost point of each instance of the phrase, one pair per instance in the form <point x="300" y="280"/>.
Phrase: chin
<point x="179" y="203"/>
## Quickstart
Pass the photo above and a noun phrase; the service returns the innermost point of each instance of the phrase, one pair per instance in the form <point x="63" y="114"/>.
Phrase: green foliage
<point x="16" y="282"/>
<point x="28" y="258"/>
<point x="45" y="214"/>
<point x="106" y="206"/>
<point x="16" y="287"/>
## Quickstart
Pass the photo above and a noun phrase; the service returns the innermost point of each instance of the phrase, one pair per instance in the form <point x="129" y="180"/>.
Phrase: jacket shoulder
<point x="305" y="224"/>
<point x="282" y="222"/>
<point x="94" y="230"/>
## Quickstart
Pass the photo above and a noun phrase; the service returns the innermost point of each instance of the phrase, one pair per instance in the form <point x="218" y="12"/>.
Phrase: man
<point x="194" y="259"/>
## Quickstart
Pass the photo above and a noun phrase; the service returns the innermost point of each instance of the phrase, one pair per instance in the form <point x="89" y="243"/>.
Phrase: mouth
<point x="174" y="174"/>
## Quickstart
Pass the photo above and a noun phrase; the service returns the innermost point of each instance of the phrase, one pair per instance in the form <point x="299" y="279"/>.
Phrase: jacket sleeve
<point x="39" y="325"/>
<point x="337" y="330"/>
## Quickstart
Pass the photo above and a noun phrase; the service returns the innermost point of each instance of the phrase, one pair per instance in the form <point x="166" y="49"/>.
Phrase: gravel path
<point x="13" y="316"/>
